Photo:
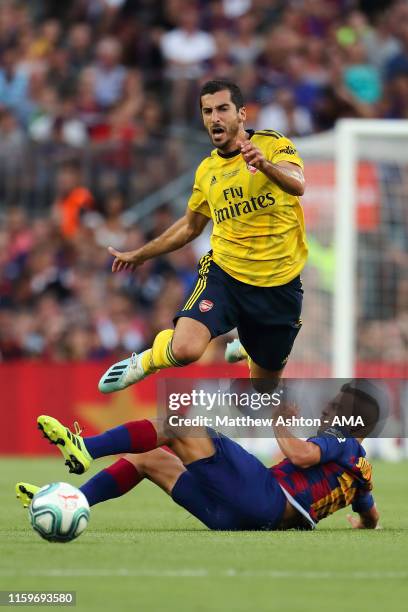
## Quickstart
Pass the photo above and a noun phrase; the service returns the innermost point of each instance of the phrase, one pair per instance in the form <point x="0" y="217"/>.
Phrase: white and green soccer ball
<point x="59" y="512"/>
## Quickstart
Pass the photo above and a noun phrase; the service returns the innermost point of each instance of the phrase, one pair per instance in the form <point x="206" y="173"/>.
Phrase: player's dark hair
<point x="366" y="406"/>
<point x="211" y="87"/>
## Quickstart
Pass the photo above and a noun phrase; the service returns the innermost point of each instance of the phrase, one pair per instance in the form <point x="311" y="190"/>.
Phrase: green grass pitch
<point x="144" y="553"/>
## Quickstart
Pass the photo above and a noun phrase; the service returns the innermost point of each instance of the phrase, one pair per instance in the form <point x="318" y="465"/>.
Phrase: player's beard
<point x="228" y="137"/>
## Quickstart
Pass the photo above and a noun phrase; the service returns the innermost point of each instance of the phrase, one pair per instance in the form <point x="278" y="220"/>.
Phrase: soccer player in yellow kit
<point x="249" y="187"/>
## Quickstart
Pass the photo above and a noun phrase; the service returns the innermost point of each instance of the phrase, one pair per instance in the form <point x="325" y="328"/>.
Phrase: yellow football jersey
<point x="259" y="232"/>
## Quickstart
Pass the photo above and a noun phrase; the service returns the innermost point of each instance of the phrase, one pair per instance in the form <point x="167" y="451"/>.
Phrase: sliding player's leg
<point x="163" y="469"/>
<point x="224" y="486"/>
<point x="206" y="480"/>
<point x="113" y="481"/>
<point x="219" y="482"/>
<point x="79" y="452"/>
<point x="121" y="477"/>
<point x="160" y="466"/>
<point x="132" y="437"/>
<point x="213" y="478"/>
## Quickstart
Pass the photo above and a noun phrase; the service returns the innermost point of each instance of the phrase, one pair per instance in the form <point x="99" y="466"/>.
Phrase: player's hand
<point x="357" y="523"/>
<point x="251" y="154"/>
<point x="124" y="261"/>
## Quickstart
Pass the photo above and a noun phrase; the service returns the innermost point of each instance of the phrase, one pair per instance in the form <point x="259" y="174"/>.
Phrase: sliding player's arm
<point x="369" y="519"/>
<point x="301" y="453"/>
<point x="287" y="175"/>
<point x="176" y="236"/>
<point x="364" y="506"/>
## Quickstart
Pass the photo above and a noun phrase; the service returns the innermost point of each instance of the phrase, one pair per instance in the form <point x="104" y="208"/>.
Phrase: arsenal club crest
<point x="205" y="305"/>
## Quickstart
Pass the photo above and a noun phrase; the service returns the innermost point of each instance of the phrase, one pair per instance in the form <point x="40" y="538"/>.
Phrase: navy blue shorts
<point x="232" y="490"/>
<point x="267" y="318"/>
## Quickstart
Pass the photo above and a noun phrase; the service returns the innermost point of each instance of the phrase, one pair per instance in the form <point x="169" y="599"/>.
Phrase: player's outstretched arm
<point x="288" y="176"/>
<point x="365" y="520"/>
<point x="301" y="453"/>
<point x="176" y="236"/>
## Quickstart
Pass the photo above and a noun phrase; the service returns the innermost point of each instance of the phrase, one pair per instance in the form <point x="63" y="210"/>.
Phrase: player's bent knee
<point x="136" y="461"/>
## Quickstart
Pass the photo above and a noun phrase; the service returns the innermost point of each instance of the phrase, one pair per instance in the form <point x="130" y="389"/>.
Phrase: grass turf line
<point x="144" y="552"/>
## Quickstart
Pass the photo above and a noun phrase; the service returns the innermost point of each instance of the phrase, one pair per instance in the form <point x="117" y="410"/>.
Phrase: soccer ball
<point x="59" y="512"/>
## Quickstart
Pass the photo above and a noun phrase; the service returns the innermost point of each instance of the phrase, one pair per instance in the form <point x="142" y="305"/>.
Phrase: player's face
<point x="222" y="119"/>
<point x="341" y="405"/>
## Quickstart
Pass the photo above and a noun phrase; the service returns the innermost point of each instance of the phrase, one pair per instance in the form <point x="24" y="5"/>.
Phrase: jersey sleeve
<point x="331" y="447"/>
<point x="363" y="501"/>
<point x="285" y="150"/>
<point x="198" y="202"/>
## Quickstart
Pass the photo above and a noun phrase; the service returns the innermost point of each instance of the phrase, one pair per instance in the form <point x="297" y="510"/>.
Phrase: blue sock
<point x="111" y="442"/>
<point x="132" y="437"/>
<point x="114" y="481"/>
<point x="99" y="488"/>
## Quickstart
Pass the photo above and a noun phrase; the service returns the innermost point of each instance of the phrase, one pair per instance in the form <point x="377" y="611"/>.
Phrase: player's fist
<point x="252" y="155"/>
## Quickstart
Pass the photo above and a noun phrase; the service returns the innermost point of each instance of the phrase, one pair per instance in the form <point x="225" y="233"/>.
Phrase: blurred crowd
<point x="90" y="70"/>
<point x="98" y="107"/>
<point x="58" y="297"/>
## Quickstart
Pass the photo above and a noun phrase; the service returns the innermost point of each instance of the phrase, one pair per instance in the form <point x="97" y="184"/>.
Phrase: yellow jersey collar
<point x="237" y="151"/>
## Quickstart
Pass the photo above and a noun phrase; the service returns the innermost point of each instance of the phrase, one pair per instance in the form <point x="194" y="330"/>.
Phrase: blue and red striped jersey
<point x="342" y="477"/>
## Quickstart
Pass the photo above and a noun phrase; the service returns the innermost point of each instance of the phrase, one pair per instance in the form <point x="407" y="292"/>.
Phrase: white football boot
<point x="233" y="351"/>
<point x="122" y="374"/>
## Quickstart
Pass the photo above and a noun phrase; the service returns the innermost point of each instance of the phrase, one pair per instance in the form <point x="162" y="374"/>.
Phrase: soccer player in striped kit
<point x="223" y="485"/>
